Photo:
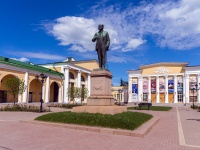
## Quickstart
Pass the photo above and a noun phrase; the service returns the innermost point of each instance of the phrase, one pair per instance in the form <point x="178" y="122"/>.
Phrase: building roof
<point x="72" y="62"/>
<point x="183" y="64"/>
<point x="19" y="64"/>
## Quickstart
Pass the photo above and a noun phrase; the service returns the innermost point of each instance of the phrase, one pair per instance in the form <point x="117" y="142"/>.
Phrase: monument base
<point x="100" y="109"/>
<point x="100" y="100"/>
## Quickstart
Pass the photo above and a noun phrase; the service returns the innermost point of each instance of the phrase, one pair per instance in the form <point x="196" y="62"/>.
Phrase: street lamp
<point x="42" y="78"/>
<point x="120" y="91"/>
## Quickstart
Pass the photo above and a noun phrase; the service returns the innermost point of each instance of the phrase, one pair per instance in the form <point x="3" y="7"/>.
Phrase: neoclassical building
<point x="75" y="73"/>
<point x="165" y="82"/>
<point x="60" y="75"/>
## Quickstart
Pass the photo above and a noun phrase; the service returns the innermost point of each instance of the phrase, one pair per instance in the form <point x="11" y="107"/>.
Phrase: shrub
<point x="20" y="107"/>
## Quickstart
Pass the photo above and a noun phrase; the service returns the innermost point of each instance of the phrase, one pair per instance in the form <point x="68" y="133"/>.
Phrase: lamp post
<point x="120" y="91"/>
<point x="42" y="78"/>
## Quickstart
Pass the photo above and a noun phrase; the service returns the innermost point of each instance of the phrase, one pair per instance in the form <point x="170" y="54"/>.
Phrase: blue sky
<point x="141" y="32"/>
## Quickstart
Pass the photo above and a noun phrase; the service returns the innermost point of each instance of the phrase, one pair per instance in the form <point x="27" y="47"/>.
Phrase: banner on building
<point x="135" y="88"/>
<point x="161" y="85"/>
<point x="153" y="85"/>
<point x="180" y="85"/>
<point x="193" y="83"/>
<point x="145" y="85"/>
<point x="171" y="85"/>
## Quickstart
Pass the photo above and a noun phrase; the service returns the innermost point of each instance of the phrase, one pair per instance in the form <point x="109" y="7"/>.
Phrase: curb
<point x="139" y="132"/>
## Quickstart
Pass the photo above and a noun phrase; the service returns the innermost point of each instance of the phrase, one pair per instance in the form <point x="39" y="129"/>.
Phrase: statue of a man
<point x="102" y="45"/>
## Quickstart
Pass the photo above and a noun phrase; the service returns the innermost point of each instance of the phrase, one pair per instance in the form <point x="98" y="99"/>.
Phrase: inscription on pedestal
<point x="97" y="86"/>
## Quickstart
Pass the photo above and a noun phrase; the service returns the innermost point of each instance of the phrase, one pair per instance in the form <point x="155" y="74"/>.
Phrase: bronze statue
<point x="102" y="45"/>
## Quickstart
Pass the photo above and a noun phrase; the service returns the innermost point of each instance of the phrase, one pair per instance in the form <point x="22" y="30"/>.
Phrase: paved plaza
<point x="177" y="129"/>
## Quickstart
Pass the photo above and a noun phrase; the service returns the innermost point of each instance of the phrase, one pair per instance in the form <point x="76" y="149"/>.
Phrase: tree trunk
<point x="14" y="99"/>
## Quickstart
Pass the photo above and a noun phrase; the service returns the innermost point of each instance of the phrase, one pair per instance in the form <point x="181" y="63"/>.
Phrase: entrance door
<point x="180" y="97"/>
<point x="162" y="98"/>
<point x="30" y="98"/>
<point x="153" y="98"/>
<point x="145" y="97"/>
<point x="3" y="96"/>
<point x="171" y="98"/>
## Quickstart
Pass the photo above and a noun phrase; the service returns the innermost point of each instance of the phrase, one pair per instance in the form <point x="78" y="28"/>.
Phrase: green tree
<point x="73" y="92"/>
<point x="123" y="83"/>
<point x="83" y="93"/>
<point x="14" y="86"/>
<point x="77" y="92"/>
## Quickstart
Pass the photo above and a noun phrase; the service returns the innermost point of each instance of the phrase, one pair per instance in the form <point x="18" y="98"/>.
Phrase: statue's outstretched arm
<point x="94" y="38"/>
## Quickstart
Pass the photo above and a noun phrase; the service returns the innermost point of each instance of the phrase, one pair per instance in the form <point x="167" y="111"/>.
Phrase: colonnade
<point x="186" y="86"/>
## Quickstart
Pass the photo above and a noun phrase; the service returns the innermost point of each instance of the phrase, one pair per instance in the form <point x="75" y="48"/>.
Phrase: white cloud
<point x="36" y="55"/>
<point x="23" y="59"/>
<point x="173" y="24"/>
<point x="78" y="32"/>
<point x="75" y="31"/>
<point x="132" y="44"/>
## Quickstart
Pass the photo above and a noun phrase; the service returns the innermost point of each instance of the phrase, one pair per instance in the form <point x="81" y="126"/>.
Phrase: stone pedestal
<point x="101" y="99"/>
<point x="101" y="81"/>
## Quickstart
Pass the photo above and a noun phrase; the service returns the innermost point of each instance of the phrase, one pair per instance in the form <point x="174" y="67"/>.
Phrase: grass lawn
<point x="126" y="120"/>
<point x="154" y="108"/>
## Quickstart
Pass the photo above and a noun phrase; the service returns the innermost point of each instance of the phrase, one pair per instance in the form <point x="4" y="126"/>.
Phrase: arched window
<point x="82" y="79"/>
<point x="71" y="76"/>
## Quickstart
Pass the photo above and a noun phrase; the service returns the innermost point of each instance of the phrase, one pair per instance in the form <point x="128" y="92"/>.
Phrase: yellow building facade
<point x="60" y="76"/>
<point x="165" y="82"/>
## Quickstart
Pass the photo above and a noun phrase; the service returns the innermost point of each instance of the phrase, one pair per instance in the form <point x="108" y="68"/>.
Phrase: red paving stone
<point x="21" y="136"/>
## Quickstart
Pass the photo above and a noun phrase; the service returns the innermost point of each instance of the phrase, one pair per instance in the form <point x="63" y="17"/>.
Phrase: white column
<point x="24" y="100"/>
<point x="78" y="78"/>
<point x="157" y="90"/>
<point x="198" y="81"/>
<point x="60" y="94"/>
<point x="140" y="87"/>
<point x="149" y="89"/>
<point x="130" y="82"/>
<point x="89" y="84"/>
<point x="78" y="81"/>
<point x="175" y="89"/>
<point x="19" y="98"/>
<point x="46" y="100"/>
<point x="187" y="88"/>
<point x="66" y="84"/>
<point x="166" y="89"/>
<point x="184" y="86"/>
<point x="43" y="91"/>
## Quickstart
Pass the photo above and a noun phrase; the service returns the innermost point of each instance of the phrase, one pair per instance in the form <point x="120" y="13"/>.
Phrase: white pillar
<point x="149" y="89"/>
<point x="19" y="98"/>
<point x="198" y="81"/>
<point x="166" y="89"/>
<point x="78" y="81"/>
<point x="43" y="91"/>
<point x="184" y="86"/>
<point x="60" y="94"/>
<point x="130" y="89"/>
<point x="187" y="88"/>
<point x="46" y="100"/>
<point x="157" y="90"/>
<point x="89" y="84"/>
<point x="24" y="100"/>
<point x="175" y="89"/>
<point x="78" y="78"/>
<point x="140" y="91"/>
<point x="66" y="84"/>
